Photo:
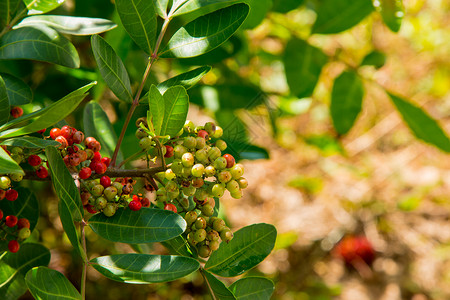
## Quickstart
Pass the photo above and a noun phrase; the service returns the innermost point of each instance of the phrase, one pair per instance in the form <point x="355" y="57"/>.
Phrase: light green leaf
<point x="346" y="101"/>
<point x="7" y="164"/>
<point x="207" y="32"/>
<point x="97" y="125"/>
<point x="374" y="58"/>
<point x="39" y="43"/>
<point x="70" y="207"/>
<point x="176" y="105"/>
<point x="336" y="16"/>
<point x="252" y="288"/>
<point x="14" y="266"/>
<point x="4" y="103"/>
<point x="303" y="64"/>
<point x="36" y="7"/>
<point x="68" y="24"/>
<point x="421" y="124"/>
<point x="139" y="19"/>
<point x="8" y="8"/>
<point x="46" y="283"/>
<point x="155" y="114"/>
<point x="249" y="247"/>
<point x="195" y="5"/>
<point x="19" y="93"/>
<point x="112" y="69"/>
<point x="217" y="287"/>
<point x="133" y="227"/>
<point x="161" y="7"/>
<point x="392" y="12"/>
<point x="47" y="116"/>
<point x="187" y="79"/>
<point x="144" y="268"/>
<point x="30" y="142"/>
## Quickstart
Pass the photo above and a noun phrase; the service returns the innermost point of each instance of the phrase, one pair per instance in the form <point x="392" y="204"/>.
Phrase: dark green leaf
<point x="243" y="150"/>
<point x="187" y="80"/>
<point x="144" y="226"/>
<point x="258" y="11"/>
<point x="178" y="246"/>
<point x="303" y="64"/>
<point x="249" y="247"/>
<point x="68" y="24"/>
<point x="206" y="33"/>
<point x="252" y="288"/>
<point x="139" y="19"/>
<point x="46" y="283"/>
<point x="7" y="164"/>
<point x="70" y="207"/>
<point x="336" y="16"/>
<point x="4" y="102"/>
<point x="26" y="206"/>
<point x="97" y="125"/>
<point x="190" y="6"/>
<point x="47" y="116"/>
<point x="144" y="268"/>
<point x="39" y="43"/>
<point x="18" y="92"/>
<point x="7" y="11"/>
<point x="346" y="101"/>
<point x="374" y="58"/>
<point x="392" y="12"/>
<point x="421" y="124"/>
<point x="176" y="105"/>
<point x="14" y="266"/>
<point x="217" y="287"/>
<point x="155" y="114"/>
<point x="30" y="142"/>
<point x="284" y="6"/>
<point x="112" y="69"/>
<point x="36" y="7"/>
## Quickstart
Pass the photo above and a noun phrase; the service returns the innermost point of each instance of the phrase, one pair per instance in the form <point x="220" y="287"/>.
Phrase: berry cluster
<point x="14" y="230"/>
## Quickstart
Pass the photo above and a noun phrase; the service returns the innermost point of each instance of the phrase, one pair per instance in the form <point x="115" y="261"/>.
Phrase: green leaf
<point x="7" y="11"/>
<point x="161" y="7"/>
<point x="144" y="268"/>
<point x="4" y="102"/>
<point x="47" y="116"/>
<point x="252" y="288"/>
<point x="36" y="7"/>
<point x="46" y="283"/>
<point x="392" y="12"/>
<point x="26" y="206"/>
<point x="97" y="125"/>
<point x="14" y="266"/>
<point x="68" y="24"/>
<point x="249" y="247"/>
<point x="7" y="164"/>
<point x="176" y="105"/>
<point x="206" y="33"/>
<point x="303" y="64"/>
<point x="30" y="142"/>
<point x="19" y="93"/>
<point x="178" y="246"/>
<point x="243" y="150"/>
<point x="421" y="124"/>
<point x="197" y="5"/>
<point x="187" y="79"/>
<point x="259" y="9"/>
<point x="133" y="227"/>
<point x="284" y="6"/>
<point x="39" y="43"/>
<point x="217" y="287"/>
<point x="336" y="16"/>
<point x="112" y="69"/>
<point x="139" y="19"/>
<point x="374" y="58"/>
<point x="70" y="207"/>
<point x="346" y="101"/>
<point x="155" y="114"/>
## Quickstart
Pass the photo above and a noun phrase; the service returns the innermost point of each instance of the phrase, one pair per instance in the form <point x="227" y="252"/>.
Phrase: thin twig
<point x="85" y="262"/>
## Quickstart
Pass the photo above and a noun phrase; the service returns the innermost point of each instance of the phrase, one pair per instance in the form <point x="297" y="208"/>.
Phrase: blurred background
<point x="377" y="182"/>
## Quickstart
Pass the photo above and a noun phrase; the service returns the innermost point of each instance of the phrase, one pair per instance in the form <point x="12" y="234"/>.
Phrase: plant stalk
<point x="85" y="262"/>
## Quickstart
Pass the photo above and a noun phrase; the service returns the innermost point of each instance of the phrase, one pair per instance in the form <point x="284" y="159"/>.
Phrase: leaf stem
<point x="85" y="262"/>
<point x="163" y="161"/>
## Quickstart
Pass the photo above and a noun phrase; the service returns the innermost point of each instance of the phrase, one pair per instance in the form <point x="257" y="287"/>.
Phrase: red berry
<point x="74" y="159"/>
<point x="78" y="137"/>
<point x="63" y="141"/>
<point x="135" y="205"/>
<point x="105" y="181"/>
<point x="1" y="214"/>
<point x="351" y="248"/>
<point x="105" y="160"/>
<point x="13" y="246"/>
<point x="171" y="207"/>
<point x="66" y="160"/>
<point x="97" y="157"/>
<point x="145" y="202"/>
<point x="85" y="173"/>
<point x="11" y="195"/>
<point x="23" y="223"/>
<point x="2" y="194"/>
<point x="42" y="172"/>
<point x="11" y="221"/>
<point x="100" y="168"/>
<point x="89" y="140"/>
<point x="16" y="112"/>
<point x="230" y="160"/>
<point x="95" y="146"/>
<point x="41" y="131"/>
<point x="169" y="151"/>
<point x="203" y="133"/>
<point x="55" y="132"/>
<point x="90" y="209"/>
<point x="67" y="132"/>
<point x="34" y="160"/>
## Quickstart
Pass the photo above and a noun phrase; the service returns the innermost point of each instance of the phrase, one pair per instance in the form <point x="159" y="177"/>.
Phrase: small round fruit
<point x="190" y="217"/>
<point x="67" y="131"/>
<point x="210" y="171"/>
<point x="63" y="141"/>
<point x="189" y="126"/>
<point x="198" y="170"/>
<point x="16" y="112"/>
<point x="200" y="235"/>
<point x="218" y="133"/>
<point x="90" y="208"/>
<point x="11" y="221"/>
<point x="135" y="205"/>
<point x="200" y="142"/>
<point x="109" y="210"/>
<point x="145" y="143"/>
<point x="169" y="151"/>
<point x="13" y="246"/>
<point x="42" y="172"/>
<point x="140" y="133"/>
<point x="173" y="195"/>
<point x="226" y="235"/>
<point x="127" y="189"/>
<point x="203" y="133"/>
<point x="200" y="223"/>
<point x="171" y="207"/>
<point x="169" y="174"/>
<point x="95" y="146"/>
<point x="187" y="159"/>
<point x="189" y="142"/>
<point x="220" y="163"/>
<point x="85" y="173"/>
<point x="105" y="181"/>
<point x="179" y="150"/>
<point x="237" y="171"/>
<point x="230" y="160"/>
<point x="219" y="225"/>
<point x="177" y="166"/>
<point x="11" y="195"/>
<point x="110" y="193"/>
<point x="201" y="194"/>
<point x="5" y="182"/>
<point x="201" y="155"/>
<point x="34" y="160"/>
<point x="189" y="190"/>
<point x="210" y="127"/>
<point x="54" y="133"/>
<point x="16" y="177"/>
<point x="213" y="153"/>
<point x="1" y="214"/>
<point x="171" y="186"/>
<point x="106" y="161"/>
<point x="224" y="176"/>
<point x="214" y="245"/>
<point x="207" y="210"/>
<point x="118" y="186"/>
<point x="24" y="233"/>
<point x="198" y="182"/>
<point x="145" y="202"/>
<point x="100" y="203"/>
<point x="243" y="183"/>
<point x="233" y="186"/>
<point x="204" y="251"/>
<point x="23" y="223"/>
<point x="237" y="194"/>
<point x="221" y="144"/>
<point x="78" y="137"/>
<point x="97" y="190"/>
<point x="100" y="168"/>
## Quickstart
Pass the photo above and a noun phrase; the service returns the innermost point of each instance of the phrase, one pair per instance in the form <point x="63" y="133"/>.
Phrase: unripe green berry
<point x="16" y="177"/>
<point x="201" y="194"/>
<point x="178" y="151"/>
<point x="237" y="171"/>
<point x="97" y="190"/>
<point x="173" y="195"/>
<point x="204" y="251"/>
<point x="207" y="210"/>
<point x="162" y="198"/>
<point x="24" y="233"/>
<point x="218" y="133"/>
<point x="200" y="235"/>
<point x="210" y="127"/>
<point x="220" y="163"/>
<point x="109" y="210"/>
<point x="219" y="225"/>
<point x="187" y="159"/>
<point x="189" y="126"/>
<point x="145" y="143"/>
<point x="201" y="155"/>
<point x="171" y="186"/>
<point x="184" y="202"/>
<point x="100" y="203"/>
<point x="110" y="193"/>
<point x="5" y="182"/>
<point x="90" y="184"/>
<point x="189" y="142"/>
<point x="236" y="194"/>
<point x="189" y="191"/>
<point x="17" y="158"/>
<point x="221" y="144"/>
<point x="214" y="245"/>
<point x="186" y="172"/>
<point x="232" y="186"/>
<point x="200" y="223"/>
<point x="198" y="170"/>
<point x="118" y="187"/>
<point x="177" y="166"/>
<point x="212" y="235"/>
<point x="190" y="217"/>
<point x="91" y="200"/>
<point x="210" y="171"/>
<point x="218" y="190"/>
<point x="169" y="174"/>
<point x="17" y="150"/>
<point x="161" y="176"/>
<point x="140" y="133"/>
<point x="224" y="176"/>
<point x="213" y="153"/>
<point x="226" y="235"/>
<point x="200" y="142"/>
